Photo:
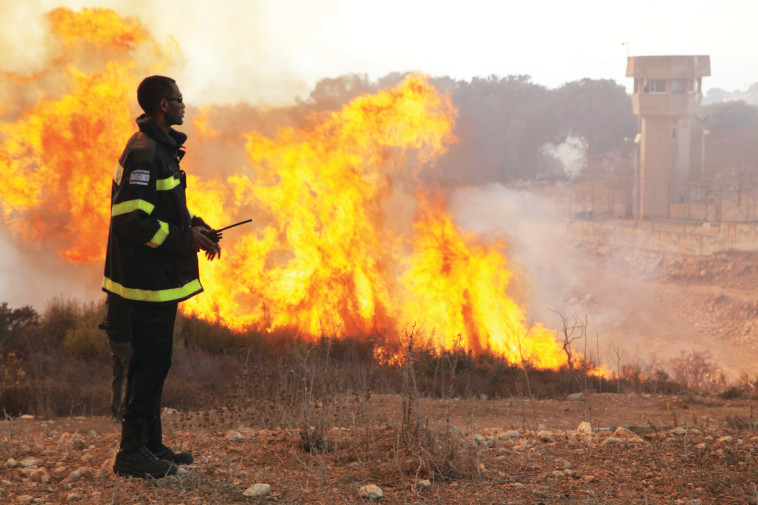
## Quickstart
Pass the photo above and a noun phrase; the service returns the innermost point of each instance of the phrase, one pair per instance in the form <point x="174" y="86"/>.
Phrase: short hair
<point x="152" y="90"/>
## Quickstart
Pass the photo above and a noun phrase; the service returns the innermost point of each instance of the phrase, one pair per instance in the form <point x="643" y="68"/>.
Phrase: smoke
<point x="539" y="247"/>
<point x="555" y="276"/>
<point x="20" y="37"/>
<point x="632" y="318"/>
<point x="33" y="275"/>
<point x="227" y="54"/>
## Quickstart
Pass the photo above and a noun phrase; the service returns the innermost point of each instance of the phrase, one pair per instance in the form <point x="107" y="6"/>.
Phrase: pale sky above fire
<point x="274" y="51"/>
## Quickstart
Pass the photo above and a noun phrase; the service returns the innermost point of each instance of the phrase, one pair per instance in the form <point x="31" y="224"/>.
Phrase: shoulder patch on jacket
<point x="118" y="173"/>
<point x="140" y="177"/>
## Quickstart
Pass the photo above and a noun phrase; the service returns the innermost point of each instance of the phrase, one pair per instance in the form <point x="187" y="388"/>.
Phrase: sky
<point x="274" y="52"/>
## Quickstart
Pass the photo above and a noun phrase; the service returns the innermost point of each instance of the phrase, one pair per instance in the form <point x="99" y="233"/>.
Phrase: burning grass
<point x="58" y="364"/>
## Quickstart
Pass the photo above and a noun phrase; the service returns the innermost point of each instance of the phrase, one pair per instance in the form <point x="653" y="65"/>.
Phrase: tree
<point x="332" y="94"/>
<point x="598" y="111"/>
<point x="502" y="124"/>
<point x="728" y="115"/>
<point x="16" y="327"/>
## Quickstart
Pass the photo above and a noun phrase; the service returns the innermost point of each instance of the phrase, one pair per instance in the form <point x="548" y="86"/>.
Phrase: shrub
<point x="17" y="327"/>
<point x="698" y="371"/>
<point x="11" y="372"/>
<point x="55" y="384"/>
<point x="84" y="339"/>
<point x="198" y="334"/>
<point x="198" y="379"/>
<point x="59" y="317"/>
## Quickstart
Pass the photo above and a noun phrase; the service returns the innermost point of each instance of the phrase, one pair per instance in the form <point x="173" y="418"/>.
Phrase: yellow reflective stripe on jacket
<point x="159" y="236"/>
<point x="131" y="206"/>
<point x="146" y="295"/>
<point x="167" y="184"/>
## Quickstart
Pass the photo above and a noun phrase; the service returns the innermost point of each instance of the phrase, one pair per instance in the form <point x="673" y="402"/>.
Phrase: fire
<point x="338" y="246"/>
<point x="55" y="156"/>
<point x="324" y="261"/>
<point x="329" y="260"/>
<point x="459" y="286"/>
<point x="101" y="28"/>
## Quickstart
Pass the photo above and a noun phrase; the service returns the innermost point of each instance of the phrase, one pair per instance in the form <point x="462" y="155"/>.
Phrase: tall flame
<point x="326" y="259"/>
<point x="458" y="287"/>
<point x="330" y="251"/>
<point x="330" y="260"/>
<point x="53" y="157"/>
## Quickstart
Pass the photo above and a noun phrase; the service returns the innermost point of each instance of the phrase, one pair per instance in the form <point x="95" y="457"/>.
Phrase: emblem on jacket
<point x="140" y="177"/>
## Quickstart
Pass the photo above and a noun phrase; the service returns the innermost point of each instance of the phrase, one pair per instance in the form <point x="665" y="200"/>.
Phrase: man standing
<point x="150" y="266"/>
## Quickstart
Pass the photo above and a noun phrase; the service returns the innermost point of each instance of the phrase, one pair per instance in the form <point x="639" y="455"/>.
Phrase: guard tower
<point x="667" y="95"/>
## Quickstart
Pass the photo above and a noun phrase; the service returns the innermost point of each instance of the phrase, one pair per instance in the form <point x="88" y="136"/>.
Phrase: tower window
<point x="654" y="86"/>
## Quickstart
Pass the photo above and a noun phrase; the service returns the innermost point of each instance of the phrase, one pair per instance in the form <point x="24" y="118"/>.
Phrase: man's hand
<point x="201" y="242"/>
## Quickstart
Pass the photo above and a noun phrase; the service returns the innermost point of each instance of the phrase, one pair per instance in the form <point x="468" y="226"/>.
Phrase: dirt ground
<point x="656" y="306"/>
<point x="637" y="449"/>
<point x="676" y="450"/>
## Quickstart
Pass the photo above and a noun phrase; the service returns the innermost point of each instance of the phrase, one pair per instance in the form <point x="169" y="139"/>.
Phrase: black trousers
<point x="121" y="353"/>
<point x="151" y="326"/>
<point x="120" y="344"/>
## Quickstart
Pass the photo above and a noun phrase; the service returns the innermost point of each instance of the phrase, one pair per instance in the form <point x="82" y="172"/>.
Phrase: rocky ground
<point x="656" y="306"/>
<point x="609" y="449"/>
<point x="635" y="449"/>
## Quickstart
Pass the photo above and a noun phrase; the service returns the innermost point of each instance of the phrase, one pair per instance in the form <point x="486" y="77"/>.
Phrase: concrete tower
<point x="667" y="95"/>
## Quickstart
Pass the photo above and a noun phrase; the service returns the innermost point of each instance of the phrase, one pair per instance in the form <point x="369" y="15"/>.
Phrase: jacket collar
<point x="173" y="139"/>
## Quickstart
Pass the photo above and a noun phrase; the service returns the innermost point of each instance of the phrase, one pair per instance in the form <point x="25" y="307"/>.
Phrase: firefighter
<point x="150" y="266"/>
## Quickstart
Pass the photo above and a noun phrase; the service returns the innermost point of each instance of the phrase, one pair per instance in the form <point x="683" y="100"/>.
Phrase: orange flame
<point x="459" y="288"/>
<point x="329" y="260"/>
<point x="55" y="156"/>
<point x="101" y="28"/>
<point x="337" y="247"/>
<point x="323" y="262"/>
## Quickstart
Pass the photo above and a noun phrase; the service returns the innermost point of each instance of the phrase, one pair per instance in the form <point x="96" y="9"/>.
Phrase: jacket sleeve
<point x="198" y="221"/>
<point x="134" y="213"/>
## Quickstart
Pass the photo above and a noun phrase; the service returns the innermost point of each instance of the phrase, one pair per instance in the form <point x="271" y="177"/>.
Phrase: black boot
<point x="155" y="445"/>
<point x="134" y="459"/>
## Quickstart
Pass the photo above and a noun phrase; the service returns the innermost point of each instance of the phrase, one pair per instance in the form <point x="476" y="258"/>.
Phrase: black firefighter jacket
<point x="150" y="256"/>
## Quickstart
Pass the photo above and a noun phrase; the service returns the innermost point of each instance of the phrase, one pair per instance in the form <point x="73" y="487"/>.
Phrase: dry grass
<point x="320" y="419"/>
<point x="662" y="468"/>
